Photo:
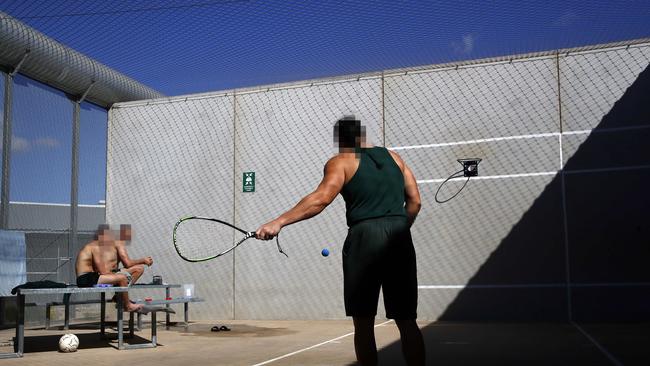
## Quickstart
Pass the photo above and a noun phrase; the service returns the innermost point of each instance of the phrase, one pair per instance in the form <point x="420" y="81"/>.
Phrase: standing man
<point x="382" y="200"/>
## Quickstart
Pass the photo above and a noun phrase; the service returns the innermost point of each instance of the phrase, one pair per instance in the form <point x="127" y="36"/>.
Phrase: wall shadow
<point x="607" y="221"/>
<point x="502" y="344"/>
<point x="608" y="231"/>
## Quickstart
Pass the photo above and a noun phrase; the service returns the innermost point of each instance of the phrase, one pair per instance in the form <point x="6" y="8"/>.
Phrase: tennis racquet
<point x="199" y="239"/>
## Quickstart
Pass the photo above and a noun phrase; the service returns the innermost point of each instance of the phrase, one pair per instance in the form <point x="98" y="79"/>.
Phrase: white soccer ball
<point x="68" y="343"/>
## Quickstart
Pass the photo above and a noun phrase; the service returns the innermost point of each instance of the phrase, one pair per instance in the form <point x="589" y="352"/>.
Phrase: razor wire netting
<point x="554" y="223"/>
<point x="554" y="220"/>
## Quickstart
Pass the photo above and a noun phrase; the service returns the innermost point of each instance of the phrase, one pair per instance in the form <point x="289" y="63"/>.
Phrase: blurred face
<point x="349" y="134"/>
<point x="125" y="232"/>
<point x="105" y="235"/>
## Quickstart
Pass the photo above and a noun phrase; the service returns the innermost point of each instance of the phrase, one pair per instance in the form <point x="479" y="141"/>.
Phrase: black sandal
<point x="217" y="328"/>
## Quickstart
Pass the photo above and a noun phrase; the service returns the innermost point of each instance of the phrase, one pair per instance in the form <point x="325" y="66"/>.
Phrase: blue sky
<point x="42" y="148"/>
<point x="188" y="46"/>
<point x="180" y="47"/>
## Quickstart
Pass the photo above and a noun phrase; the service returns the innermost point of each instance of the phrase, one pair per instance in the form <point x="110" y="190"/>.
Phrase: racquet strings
<point x="200" y="239"/>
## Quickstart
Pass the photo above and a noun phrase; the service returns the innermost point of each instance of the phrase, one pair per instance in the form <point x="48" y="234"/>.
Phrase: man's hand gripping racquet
<point x="199" y="239"/>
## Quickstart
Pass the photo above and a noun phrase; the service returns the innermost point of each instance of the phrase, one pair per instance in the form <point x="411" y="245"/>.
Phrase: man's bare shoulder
<point x="342" y="158"/>
<point x="90" y="245"/>
<point x="394" y="154"/>
<point x="335" y="161"/>
<point x="89" y="248"/>
<point x="397" y="158"/>
<point x="341" y="162"/>
<point x="95" y="246"/>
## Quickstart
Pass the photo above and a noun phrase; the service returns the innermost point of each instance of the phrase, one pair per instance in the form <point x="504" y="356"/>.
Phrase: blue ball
<point x="325" y="252"/>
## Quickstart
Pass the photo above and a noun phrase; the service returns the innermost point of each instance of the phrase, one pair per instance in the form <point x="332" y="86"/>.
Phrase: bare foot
<point x="133" y="307"/>
<point x="114" y="299"/>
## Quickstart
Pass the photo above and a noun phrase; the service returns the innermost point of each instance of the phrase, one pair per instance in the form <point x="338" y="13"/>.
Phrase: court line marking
<point x="598" y="345"/>
<point x="535" y="285"/>
<point x="314" y="346"/>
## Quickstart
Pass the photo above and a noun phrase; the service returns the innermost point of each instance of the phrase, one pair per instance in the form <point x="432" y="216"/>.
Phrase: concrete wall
<point x="554" y="228"/>
<point x="167" y="161"/>
<point x="285" y="136"/>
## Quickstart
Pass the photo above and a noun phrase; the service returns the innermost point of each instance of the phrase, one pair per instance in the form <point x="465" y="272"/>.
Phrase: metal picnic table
<point x="19" y="344"/>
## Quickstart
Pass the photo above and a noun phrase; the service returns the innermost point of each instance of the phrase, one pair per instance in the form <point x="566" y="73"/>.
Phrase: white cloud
<point x="19" y="144"/>
<point x="48" y="142"/>
<point x="466" y="45"/>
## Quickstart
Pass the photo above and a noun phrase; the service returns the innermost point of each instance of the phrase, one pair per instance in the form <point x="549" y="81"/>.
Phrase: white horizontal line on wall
<point x="520" y="137"/>
<point x="577" y="132"/>
<point x="617" y="129"/>
<point x="505" y="176"/>
<point x="490" y="177"/>
<point x="613" y="169"/>
<point x="436" y="287"/>
<point x="478" y="141"/>
<point x="535" y="285"/>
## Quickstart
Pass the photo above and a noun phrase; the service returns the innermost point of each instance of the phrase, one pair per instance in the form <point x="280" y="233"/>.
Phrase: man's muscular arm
<point x="123" y="256"/>
<point x="312" y="204"/>
<point x="412" y="195"/>
<point x="411" y="192"/>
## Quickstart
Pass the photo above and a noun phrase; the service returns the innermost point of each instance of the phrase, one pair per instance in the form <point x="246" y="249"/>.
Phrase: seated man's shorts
<point x="88" y="279"/>
<point x="125" y="273"/>
<point x="378" y="253"/>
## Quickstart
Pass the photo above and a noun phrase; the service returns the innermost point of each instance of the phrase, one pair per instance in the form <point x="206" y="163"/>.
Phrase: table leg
<point x="48" y="315"/>
<point x="153" y="329"/>
<point x="167" y="315"/>
<point x="131" y="325"/>
<point x="19" y="346"/>
<point x="139" y="321"/>
<point x="66" y="301"/>
<point x="102" y="319"/>
<point x="186" y="315"/>
<point x="120" y="322"/>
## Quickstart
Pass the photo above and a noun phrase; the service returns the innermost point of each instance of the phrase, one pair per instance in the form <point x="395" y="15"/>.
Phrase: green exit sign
<point x="249" y="182"/>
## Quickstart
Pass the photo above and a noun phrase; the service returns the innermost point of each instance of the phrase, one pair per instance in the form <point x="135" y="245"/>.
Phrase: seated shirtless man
<point x="133" y="268"/>
<point x="95" y="262"/>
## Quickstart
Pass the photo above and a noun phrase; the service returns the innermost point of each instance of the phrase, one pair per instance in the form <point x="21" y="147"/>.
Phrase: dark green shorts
<point x="378" y="253"/>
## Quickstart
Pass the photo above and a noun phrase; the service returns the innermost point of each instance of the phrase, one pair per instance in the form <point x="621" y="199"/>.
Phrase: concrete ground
<point x="330" y="342"/>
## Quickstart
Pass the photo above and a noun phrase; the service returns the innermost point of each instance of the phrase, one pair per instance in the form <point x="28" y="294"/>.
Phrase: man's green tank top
<point x="376" y="189"/>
